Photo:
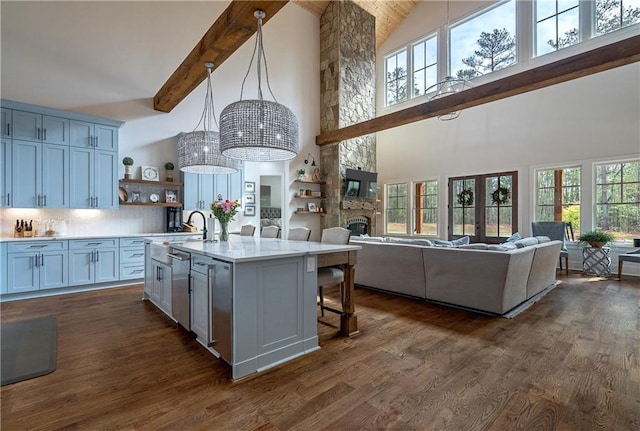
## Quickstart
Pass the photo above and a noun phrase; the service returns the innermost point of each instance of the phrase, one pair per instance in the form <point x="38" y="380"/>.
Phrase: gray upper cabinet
<point x="31" y="126"/>
<point x="57" y="159"/>
<point x="200" y="190"/>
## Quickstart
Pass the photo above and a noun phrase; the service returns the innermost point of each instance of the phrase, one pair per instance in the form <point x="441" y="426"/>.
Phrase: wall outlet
<point x="311" y="264"/>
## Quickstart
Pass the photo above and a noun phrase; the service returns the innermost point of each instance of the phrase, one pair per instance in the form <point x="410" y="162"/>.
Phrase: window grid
<point x="558" y="195"/>
<point x="426" y="216"/>
<point x="425" y="64"/>
<point x="396" y="208"/>
<point x="396" y="77"/>
<point x="617" y="199"/>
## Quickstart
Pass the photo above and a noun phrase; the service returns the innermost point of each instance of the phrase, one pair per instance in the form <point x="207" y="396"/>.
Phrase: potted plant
<point x="169" y="168"/>
<point x="128" y="165"/>
<point x="302" y="174"/>
<point x="595" y="238"/>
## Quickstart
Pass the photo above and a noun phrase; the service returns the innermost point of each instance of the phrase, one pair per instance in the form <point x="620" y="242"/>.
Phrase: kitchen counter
<point x="96" y="236"/>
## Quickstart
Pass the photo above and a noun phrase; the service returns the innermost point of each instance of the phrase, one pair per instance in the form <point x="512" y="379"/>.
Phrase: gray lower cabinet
<point x="131" y="258"/>
<point x="36" y="266"/>
<point x="199" y="277"/>
<point x="93" y="261"/>
<point x="161" y="286"/>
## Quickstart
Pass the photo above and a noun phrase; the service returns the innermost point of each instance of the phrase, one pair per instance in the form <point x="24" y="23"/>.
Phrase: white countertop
<point x="122" y="235"/>
<point x="246" y="248"/>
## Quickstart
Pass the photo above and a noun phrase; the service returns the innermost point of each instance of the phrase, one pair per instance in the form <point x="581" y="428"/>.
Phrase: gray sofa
<point x="476" y="276"/>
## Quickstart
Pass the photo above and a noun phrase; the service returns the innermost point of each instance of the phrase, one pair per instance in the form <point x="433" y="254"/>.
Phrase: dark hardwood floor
<point x="570" y="362"/>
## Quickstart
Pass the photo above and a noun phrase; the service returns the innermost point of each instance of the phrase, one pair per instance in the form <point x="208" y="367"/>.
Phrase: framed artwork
<point x="170" y="196"/>
<point x="312" y="207"/>
<point x="250" y="199"/>
<point x="249" y="187"/>
<point x="136" y="197"/>
<point x="250" y="210"/>
<point x="149" y="173"/>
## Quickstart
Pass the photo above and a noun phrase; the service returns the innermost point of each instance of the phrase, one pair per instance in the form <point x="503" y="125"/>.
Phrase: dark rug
<point x="28" y="349"/>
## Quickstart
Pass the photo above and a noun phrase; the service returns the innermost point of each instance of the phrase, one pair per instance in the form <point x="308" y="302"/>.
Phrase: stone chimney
<point x="347" y="71"/>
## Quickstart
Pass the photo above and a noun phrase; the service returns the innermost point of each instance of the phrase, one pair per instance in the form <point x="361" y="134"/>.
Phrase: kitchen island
<point x="252" y="300"/>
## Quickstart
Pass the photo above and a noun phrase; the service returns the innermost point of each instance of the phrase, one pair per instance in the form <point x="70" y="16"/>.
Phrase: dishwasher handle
<point x="181" y="258"/>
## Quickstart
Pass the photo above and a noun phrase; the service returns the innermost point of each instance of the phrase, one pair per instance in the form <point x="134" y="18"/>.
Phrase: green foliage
<point x="595" y="236"/>
<point x="396" y="86"/>
<point x="168" y="166"/>
<point x="497" y="50"/>
<point x="301" y="172"/>
<point x="571" y="214"/>
<point x="127" y="161"/>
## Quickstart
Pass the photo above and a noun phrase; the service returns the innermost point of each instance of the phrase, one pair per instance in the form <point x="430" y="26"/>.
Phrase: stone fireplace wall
<point x="347" y="70"/>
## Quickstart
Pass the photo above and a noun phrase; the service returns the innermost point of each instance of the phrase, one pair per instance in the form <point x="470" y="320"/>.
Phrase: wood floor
<point x="570" y="362"/>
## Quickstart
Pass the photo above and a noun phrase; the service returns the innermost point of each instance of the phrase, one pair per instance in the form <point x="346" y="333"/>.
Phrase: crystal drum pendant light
<point x="450" y="85"/>
<point x="199" y="151"/>
<point x="258" y="130"/>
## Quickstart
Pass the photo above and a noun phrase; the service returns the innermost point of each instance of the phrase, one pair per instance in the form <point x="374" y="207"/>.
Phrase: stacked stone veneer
<point x="347" y="70"/>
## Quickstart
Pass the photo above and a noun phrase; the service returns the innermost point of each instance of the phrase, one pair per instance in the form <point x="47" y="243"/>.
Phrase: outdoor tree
<point x="610" y="15"/>
<point x="396" y="85"/>
<point x="496" y="51"/>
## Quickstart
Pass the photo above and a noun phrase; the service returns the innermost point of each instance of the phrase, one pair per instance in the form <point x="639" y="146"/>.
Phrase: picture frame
<point x="170" y="196"/>
<point x="249" y="187"/>
<point x="250" y="199"/>
<point x="311" y="206"/>
<point x="250" y="210"/>
<point x="136" y="197"/>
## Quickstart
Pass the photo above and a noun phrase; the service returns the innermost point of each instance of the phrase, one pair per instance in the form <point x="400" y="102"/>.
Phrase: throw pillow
<point x="442" y="243"/>
<point x="499" y="247"/>
<point x="526" y="242"/>
<point x="516" y="236"/>
<point x="543" y="239"/>
<point x="460" y="241"/>
<point x="475" y="246"/>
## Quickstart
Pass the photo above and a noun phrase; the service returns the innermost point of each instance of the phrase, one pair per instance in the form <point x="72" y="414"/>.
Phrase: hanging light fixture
<point x="258" y="130"/>
<point x="450" y="85"/>
<point x="199" y="151"/>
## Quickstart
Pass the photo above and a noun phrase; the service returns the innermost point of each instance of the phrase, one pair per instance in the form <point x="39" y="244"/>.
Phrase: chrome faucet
<point x="204" y="223"/>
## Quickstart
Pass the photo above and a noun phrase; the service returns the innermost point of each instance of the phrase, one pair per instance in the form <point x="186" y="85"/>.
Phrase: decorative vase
<point x="597" y="244"/>
<point x="127" y="171"/>
<point x="224" y="231"/>
<point x="170" y="175"/>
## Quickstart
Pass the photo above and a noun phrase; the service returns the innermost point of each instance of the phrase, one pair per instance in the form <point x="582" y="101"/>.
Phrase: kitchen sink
<point x="162" y="246"/>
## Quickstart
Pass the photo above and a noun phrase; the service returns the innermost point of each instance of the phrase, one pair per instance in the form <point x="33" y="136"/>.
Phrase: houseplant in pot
<point x="595" y="238"/>
<point x="169" y="169"/>
<point x="128" y="165"/>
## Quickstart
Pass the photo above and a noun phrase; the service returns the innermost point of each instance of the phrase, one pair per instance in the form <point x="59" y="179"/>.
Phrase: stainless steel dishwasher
<point x="180" y="289"/>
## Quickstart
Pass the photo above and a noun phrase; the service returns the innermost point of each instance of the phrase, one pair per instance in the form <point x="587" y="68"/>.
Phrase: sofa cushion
<point x="442" y="243"/>
<point x="542" y="239"/>
<point x="368" y="238"/>
<point x="526" y="242"/>
<point x="513" y="238"/>
<point x="475" y="246"/>
<point x="414" y="241"/>
<point x="460" y="241"/>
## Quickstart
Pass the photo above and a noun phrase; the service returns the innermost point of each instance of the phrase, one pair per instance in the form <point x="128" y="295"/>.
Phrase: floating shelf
<point x="151" y="183"/>
<point x="154" y="204"/>
<point x="309" y="197"/>
<point x="311" y="212"/>
<point x="310" y="182"/>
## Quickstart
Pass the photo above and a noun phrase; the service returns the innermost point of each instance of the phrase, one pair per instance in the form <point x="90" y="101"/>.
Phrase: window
<point x="396" y="77"/>
<point x="425" y="62"/>
<point x="485" y="43"/>
<point x="617" y="199"/>
<point x="612" y="15"/>
<point x="396" y="205"/>
<point x="426" y="208"/>
<point x="557" y="25"/>
<point x="558" y="196"/>
<point x="484" y="207"/>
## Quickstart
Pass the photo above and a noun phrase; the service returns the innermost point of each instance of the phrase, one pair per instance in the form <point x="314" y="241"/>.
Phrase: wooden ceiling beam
<point x="230" y="31"/>
<point x="597" y="60"/>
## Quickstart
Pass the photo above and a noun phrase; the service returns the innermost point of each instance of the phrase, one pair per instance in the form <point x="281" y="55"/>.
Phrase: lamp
<point x="450" y="85"/>
<point x="313" y="160"/>
<point x="199" y="151"/>
<point x="258" y="130"/>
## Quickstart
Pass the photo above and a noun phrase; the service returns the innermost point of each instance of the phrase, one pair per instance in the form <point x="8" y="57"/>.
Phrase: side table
<point x="596" y="261"/>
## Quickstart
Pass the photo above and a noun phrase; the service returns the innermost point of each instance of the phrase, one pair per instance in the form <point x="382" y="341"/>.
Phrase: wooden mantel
<point x="597" y="60"/>
<point x="232" y="28"/>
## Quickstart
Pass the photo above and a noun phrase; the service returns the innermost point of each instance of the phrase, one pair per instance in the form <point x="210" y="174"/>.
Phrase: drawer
<point x="132" y="254"/>
<point x="21" y="247"/>
<point x="131" y="272"/>
<point x="201" y="263"/>
<point x="78" y="244"/>
<point x="132" y="242"/>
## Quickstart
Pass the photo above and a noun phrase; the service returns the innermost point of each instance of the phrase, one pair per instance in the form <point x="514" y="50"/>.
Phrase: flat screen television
<point x="358" y="183"/>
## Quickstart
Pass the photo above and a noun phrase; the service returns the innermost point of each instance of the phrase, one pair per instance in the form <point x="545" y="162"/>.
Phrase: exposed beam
<point x="232" y="29"/>
<point x="597" y="60"/>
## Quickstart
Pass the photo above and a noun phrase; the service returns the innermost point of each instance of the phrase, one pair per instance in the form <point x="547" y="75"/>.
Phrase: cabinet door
<point x="221" y="310"/>
<point x="26" y="125"/>
<point x="26" y="174"/>
<point x="3" y="268"/>
<point x="106" y="137"/>
<point x="81" y="268"/>
<point x="207" y="190"/>
<point x="156" y="289"/>
<point x="81" y="177"/>
<point x="200" y="306"/>
<point x="5" y="175"/>
<point x="221" y="188"/>
<point x="107" y="265"/>
<point x="165" y="286"/>
<point x="55" y="176"/>
<point x="236" y="184"/>
<point x="5" y="127"/>
<point x="191" y="192"/>
<point x="55" y="130"/>
<point x="80" y="134"/>
<point x="22" y="272"/>
<point x="149" y="272"/>
<point x="53" y="269"/>
<point x="105" y="180"/>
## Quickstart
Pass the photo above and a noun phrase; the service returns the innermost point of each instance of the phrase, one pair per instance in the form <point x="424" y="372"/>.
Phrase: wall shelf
<point x="151" y="183"/>
<point x="309" y="197"/>
<point x="310" y="212"/>
<point x="156" y="204"/>
<point x="310" y="182"/>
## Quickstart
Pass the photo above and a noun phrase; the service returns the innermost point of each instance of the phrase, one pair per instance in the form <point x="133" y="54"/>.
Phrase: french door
<point x="483" y="207"/>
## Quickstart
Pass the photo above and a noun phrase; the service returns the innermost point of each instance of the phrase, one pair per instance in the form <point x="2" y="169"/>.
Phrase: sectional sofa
<point x="488" y="278"/>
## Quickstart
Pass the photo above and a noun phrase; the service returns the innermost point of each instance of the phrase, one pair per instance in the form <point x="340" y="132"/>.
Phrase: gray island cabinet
<point x="253" y="300"/>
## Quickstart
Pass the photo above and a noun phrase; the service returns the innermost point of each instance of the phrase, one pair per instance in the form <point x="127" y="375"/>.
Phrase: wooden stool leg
<point x="620" y="262"/>
<point x="321" y="301"/>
